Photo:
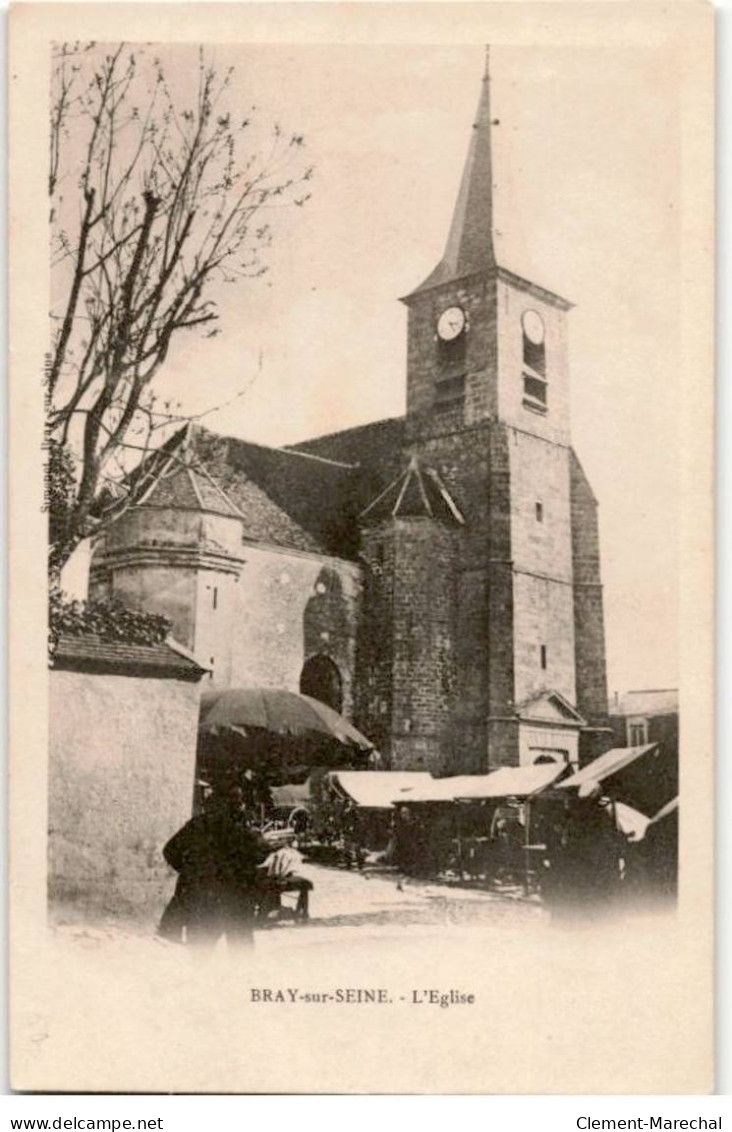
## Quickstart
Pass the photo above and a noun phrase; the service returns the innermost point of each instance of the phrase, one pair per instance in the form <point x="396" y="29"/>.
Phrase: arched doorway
<point x="321" y="679"/>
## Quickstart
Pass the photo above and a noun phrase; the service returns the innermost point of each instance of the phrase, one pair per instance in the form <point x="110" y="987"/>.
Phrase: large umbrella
<point x="248" y="711"/>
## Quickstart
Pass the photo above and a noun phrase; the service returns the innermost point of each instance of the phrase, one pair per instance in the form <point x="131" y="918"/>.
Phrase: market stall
<point x="477" y="826"/>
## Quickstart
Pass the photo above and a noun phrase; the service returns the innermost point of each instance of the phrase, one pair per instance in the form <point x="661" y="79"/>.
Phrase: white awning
<point x="378" y="789"/>
<point x="506" y="782"/>
<point x="609" y="763"/>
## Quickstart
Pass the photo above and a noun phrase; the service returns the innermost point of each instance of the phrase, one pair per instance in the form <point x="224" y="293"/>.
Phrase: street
<point x="364" y="901"/>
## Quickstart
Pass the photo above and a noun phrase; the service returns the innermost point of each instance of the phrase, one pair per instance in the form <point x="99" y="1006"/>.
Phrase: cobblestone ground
<point x="351" y="904"/>
<point x="343" y="898"/>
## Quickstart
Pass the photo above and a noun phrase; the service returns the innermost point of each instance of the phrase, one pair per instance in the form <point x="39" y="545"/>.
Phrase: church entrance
<point x="321" y="679"/>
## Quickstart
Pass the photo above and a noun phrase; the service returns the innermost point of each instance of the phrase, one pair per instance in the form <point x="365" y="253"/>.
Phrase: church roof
<point x="280" y="496"/>
<point x="312" y="495"/>
<point x="181" y="482"/>
<point x="417" y="491"/>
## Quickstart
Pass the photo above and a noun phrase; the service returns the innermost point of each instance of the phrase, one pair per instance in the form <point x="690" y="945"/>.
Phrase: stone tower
<point x="488" y="411"/>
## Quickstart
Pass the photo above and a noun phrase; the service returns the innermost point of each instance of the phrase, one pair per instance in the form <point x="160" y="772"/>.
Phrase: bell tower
<point x="483" y="343"/>
<point x="488" y="408"/>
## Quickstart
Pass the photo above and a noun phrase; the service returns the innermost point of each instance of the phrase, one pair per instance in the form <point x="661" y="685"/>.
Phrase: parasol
<point x="247" y="711"/>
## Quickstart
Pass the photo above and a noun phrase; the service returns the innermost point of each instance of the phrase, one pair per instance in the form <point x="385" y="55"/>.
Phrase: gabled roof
<point x="416" y="491"/>
<point x="550" y="707"/>
<point x="314" y="496"/>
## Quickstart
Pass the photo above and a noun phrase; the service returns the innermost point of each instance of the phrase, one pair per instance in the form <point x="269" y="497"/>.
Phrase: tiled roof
<point x="307" y="497"/>
<point x="314" y="497"/>
<point x="376" y="450"/>
<point x="95" y="654"/>
<point x="369" y="444"/>
<point x="182" y="482"/>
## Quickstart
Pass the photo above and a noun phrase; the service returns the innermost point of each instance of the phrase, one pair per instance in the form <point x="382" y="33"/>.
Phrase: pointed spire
<point x="469" y="247"/>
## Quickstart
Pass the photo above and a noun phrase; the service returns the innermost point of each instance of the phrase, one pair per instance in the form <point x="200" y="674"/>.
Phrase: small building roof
<point x="647" y="702"/>
<point x="550" y="707"/>
<point x="94" y="654"/>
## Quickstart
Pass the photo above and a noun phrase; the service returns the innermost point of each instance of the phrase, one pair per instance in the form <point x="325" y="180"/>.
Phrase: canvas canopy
<point x="507" y="782"/>
<point x="292" y="794"/>
<point x="606" y="765"/>
<point x="645" y="778"/>
<point x="377" y="789"/>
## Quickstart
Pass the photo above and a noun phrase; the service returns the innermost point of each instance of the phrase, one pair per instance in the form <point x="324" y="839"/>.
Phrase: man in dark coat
<point x="584" y="856"/>
<point x="216" y="856"/>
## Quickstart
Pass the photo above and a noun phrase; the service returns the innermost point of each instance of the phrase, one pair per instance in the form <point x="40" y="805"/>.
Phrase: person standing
<point x="216" y="855"/>
<point x="584" y="857"/>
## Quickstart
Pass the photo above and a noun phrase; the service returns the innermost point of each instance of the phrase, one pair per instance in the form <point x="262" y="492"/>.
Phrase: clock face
<point x="533" y="327"/>
<point x="451" y="323"/>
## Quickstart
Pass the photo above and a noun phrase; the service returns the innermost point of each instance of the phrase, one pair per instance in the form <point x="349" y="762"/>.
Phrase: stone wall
<point x="407" y="643"/>
<point x="511" y="303"/>
<point x="424" y="691"/>
<point x="589" y="617"/>
<point x="289" y="608"/>
<point x="253" y="613"/>
<point x="536" y="742"/>
<point x="120" y="783"/>
<point x="429" y="360"/>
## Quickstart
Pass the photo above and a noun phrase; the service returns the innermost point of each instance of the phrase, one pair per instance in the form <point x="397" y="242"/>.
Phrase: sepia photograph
<point x="361" y="448"/>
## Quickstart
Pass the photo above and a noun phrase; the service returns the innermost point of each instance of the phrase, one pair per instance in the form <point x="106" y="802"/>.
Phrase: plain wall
<point x="121" y="770"/>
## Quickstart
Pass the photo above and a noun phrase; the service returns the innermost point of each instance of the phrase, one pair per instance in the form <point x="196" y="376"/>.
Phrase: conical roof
<point x="469" y="247"/>
<point x="417" y="492"/>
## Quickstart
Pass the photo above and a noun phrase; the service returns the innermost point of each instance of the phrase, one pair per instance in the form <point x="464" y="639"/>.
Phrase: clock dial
<point x="451" y="323"/>
<point x="533" y="327"/>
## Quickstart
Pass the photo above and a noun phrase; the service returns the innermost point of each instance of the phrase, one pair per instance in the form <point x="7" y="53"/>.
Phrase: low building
<point x="646" y="716"/>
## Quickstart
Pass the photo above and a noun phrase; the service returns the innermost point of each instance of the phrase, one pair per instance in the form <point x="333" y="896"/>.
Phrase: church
<point x="435" y="577"/>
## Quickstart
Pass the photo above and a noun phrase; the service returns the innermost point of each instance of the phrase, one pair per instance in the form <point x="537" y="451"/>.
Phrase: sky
<point x="586" y="160"/>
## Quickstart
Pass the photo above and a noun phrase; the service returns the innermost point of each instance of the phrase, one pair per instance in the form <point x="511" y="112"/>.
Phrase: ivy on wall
<point x="107" y="620"/>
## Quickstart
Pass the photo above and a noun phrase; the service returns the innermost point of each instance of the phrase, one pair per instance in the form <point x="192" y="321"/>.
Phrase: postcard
<point x="362" y="550"/>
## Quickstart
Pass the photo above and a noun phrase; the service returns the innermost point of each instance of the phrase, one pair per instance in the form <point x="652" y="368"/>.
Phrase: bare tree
<point x="154" y="200"/>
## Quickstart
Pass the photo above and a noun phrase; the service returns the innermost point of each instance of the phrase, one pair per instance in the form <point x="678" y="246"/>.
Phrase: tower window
<point x="450" y="392"/>
<point x="539" y="512"/>
<point x="534" y="355"/>
<point x="534" y="392"/>
<point x="532" y="325"/>
<point x="451" y="351"/>
<point x="215" y="597"/>
<point x="543" y="657"/>
<point x="534" y="362"/>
